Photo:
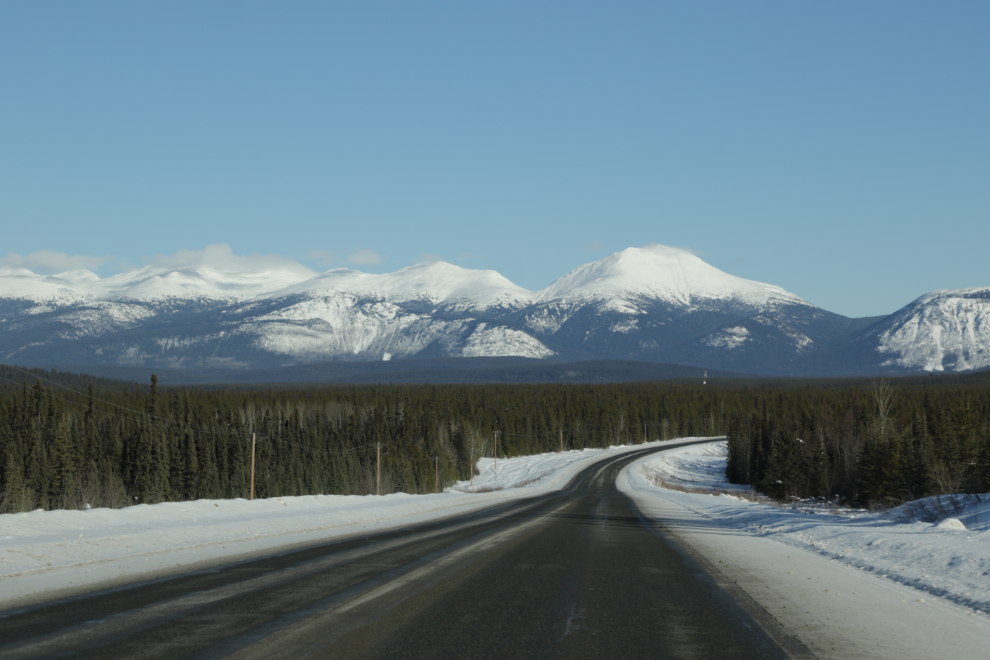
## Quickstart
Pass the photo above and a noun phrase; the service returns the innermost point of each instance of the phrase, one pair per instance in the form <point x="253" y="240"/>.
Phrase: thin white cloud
<point x="49" y="261"/>
<point x="697" y="253"/>
<point x="593" y="246"/>
<point x="220" y="257"/>
<point x="425" y="257"/>
<point x="366" y="258"/>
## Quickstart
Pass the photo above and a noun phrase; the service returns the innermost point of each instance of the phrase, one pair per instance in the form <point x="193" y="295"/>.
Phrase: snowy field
<point x="848" y="584"/>
<point x="45" y="554"/>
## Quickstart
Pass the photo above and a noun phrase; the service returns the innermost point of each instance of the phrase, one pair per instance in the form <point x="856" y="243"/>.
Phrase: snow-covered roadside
<point x="822" y="576"/>
<point x="48" y="553"/>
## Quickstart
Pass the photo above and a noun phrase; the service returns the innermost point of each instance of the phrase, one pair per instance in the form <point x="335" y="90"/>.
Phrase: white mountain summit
<point x="653" y="272"/>
<point x="148" y="284"/>
<point x="652" y="303"/>
<point x="437" y="283"/>
<point x="659" y="273"/>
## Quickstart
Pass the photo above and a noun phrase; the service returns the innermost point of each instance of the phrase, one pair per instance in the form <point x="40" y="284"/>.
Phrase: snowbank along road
<point x="849" y="586"/>
<point x="573" y="554"/>
<point x="577" y="573"/>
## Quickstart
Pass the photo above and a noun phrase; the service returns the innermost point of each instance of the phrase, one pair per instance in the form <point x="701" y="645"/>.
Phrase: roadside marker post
<point x="378" y="475"/>
<point x="495" y="465"/>
<point x="253" y="436"/>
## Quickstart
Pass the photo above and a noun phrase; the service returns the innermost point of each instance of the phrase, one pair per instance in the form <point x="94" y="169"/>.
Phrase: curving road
<point x="572" y="574"/>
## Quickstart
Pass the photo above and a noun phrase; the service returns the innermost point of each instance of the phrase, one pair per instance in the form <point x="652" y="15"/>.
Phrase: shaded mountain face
<point x="655" y="303"/>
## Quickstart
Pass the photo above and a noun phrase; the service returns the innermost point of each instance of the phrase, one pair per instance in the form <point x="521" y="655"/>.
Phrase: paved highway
<point x="572" y="574"/>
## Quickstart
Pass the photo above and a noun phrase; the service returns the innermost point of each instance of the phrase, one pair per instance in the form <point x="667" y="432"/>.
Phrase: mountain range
<point x="649" y="304"/>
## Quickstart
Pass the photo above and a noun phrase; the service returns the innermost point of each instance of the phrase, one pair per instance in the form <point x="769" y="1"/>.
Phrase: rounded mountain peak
<point x="436" y="282"/>
<point x="662" y="273"/>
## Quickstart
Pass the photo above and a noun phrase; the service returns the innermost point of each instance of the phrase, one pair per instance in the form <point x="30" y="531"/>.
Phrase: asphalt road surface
<point x="572" y="574"/>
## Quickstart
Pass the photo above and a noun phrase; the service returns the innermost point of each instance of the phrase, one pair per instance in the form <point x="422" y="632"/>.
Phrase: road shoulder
<point x="835" y="610"/>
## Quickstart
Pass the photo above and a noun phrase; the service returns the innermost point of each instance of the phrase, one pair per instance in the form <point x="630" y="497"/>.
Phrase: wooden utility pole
<point x="561" y="441"/>
<point x="436" y="475"/>
<point x="378" y="476"/>
<point x="495" y="466"/>
<point x="252" y="464"/>
<point x="473" y="438"/>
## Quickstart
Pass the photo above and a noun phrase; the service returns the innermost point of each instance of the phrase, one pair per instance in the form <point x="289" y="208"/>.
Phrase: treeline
<point x="65" y="449"/>
<point x="877" y="444"/>
<point x="12" y="379"/>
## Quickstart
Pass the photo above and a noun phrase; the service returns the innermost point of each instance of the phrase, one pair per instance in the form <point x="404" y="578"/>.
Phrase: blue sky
<point x="840" y="150"/>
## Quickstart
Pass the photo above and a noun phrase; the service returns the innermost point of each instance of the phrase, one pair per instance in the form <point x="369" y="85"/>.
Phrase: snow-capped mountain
<point x="665" y="304"/>
<point x="659" y="274"/>
<point x="653" y="303"/>
<point x="209" y="316"/>
<point x="941" y="331"/>
<point x="152" y="283"/>
<point x="437" y="284"/>
<point x="63" y="314"/>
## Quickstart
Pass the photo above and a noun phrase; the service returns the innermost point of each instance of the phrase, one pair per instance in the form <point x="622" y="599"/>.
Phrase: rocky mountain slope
<point x="940" y="331"/>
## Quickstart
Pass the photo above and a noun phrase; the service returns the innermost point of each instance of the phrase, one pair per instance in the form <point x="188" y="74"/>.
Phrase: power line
<point x="165" y="423"/>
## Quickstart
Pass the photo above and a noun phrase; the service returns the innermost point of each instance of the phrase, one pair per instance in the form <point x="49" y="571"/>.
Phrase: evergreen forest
<point x="66" y="446"/>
